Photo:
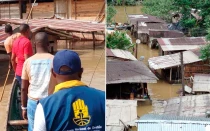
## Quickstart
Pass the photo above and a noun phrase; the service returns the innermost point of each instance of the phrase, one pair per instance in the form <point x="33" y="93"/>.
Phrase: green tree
<point x="205" y="53"/>
<point x="111" y="12"/>
<point x="159" y="8"/>
<point x="118" y="40"/>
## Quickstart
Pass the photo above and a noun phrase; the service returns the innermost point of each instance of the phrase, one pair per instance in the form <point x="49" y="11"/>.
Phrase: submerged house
<point x="148" y="28"/>
<point x="154" y="122"/>
<point x="169" y="66"/>
<point x="174" y="45"/>
<point x="72" y="31"/>
<point x="128" y="80"/>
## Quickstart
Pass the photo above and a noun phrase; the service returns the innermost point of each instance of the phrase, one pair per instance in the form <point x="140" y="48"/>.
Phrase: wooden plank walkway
<point x="4" y="105"/>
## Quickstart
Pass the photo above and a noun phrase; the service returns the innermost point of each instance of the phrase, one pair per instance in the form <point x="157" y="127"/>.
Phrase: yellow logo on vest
<point x="81" y="115"/>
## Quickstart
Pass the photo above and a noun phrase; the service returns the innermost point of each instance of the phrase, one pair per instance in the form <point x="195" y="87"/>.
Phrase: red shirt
<point x="21" y="46"/>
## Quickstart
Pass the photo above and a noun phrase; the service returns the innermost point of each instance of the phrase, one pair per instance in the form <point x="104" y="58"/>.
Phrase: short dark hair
<point x="42" y="39"/>
<point x="24" y="28"/>
<point x="8" y="29"/>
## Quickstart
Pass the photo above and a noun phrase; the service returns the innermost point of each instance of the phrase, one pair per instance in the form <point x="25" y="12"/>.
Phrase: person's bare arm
<point x="13" y="61"/>
<point x="24" y="97"/>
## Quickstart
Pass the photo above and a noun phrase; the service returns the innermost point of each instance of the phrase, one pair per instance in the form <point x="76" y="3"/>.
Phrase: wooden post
<point x="9" y="9"/>
<point x="170" y="74"/>
<point x="20" y="9"/>
<point x="75" y="11"/>
<point x="136" y="50"/>
<point x="142" y="86"/>
<point x="55" y="7"/>
<point x="182" y="70"/>
<point x="94" y="40"/>
<point x="120" y="91"/>
<point x="67" y="9"/>
<point x="30" y="7"/>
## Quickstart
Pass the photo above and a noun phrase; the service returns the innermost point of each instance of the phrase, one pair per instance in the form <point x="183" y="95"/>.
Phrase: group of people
<point x="53" y="98"/>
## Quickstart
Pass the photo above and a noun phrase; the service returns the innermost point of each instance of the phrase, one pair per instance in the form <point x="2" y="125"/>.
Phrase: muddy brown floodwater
<point x="160" y="90"/>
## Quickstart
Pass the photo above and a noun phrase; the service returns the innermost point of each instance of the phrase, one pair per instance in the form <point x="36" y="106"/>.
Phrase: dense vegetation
<point x="118" y="40"/>
<point x="124" y="2"/>
<point x="165" y="8"/>
<point x="111" y="11"/>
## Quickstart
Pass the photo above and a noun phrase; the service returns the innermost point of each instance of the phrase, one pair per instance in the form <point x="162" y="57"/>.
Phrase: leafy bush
<point x="120" y="2"/>
<point x="205" y="52"/>
<point x="111" y="12"/>
<point x="119" y="40"/>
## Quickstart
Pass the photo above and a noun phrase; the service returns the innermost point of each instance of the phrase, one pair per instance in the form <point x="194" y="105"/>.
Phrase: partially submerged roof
<point x="118" y="111"/>
<point x="129" y="72"/>
<point x="173" y="60"/>
<point x="188" y="106"/>
<point x="144" y="18"/>
<point x="3" y="35"/>
<point x="122" y="54"/>
<point x="152" y="122"/>
<point x="184" y="43"/>
<point x="201" y="83"/>
<point x="57" y="24"/>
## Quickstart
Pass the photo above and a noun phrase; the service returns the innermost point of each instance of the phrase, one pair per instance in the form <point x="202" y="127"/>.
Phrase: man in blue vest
<point x="73" y="106"/>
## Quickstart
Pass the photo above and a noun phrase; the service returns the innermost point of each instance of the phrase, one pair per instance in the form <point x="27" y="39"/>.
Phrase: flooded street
<point x="161" y="90"/>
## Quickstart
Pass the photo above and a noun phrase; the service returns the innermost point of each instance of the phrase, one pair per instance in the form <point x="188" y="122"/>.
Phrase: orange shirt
<point x="9" y="42"/>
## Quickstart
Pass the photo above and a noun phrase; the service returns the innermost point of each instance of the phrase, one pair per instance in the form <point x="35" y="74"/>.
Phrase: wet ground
<point x="160" y="90"/>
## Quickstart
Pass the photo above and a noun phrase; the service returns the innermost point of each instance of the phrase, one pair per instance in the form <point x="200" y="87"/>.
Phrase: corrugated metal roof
<point x="172" y="123"/>
<point x="64" y="24"/>
<point x="201" y="83"/>
<point x="129" y="72"/>
<point x="3" y="35"/>
<point x="144" y="18"/>
<point x="123" y="54"/>
<point x="184" y="43"/>
<point x="173" y="60"/>
<point x="172" y="117"/>
<point x="124" y="110"/>
<point x="188" y="106"/>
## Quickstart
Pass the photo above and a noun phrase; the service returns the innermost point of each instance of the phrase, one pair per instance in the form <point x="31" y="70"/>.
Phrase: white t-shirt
<point x="37" y="70"/>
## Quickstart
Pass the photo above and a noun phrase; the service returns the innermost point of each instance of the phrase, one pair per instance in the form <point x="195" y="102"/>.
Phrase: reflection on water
<point x="160" y="90"/>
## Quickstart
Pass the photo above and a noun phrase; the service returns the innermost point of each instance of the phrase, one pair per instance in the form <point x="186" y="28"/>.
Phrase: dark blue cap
<point x="66" y="58"/>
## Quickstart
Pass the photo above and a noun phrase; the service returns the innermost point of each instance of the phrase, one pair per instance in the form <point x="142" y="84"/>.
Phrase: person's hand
<point x="24" y="114"/>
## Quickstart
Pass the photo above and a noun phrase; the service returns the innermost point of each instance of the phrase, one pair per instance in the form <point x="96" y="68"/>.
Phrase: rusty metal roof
<point x="57" y="24"/>
<point x="184" y="43"/>
<point x="144" y="18"/>
<point x="173" y="60"/>
<point x="129" y="72"/>
<point x="122" y="54"/>
<point x="3" y="35"/>
<point x="158" y="30"/>
<point x="201" y="83"/>
<point x="189" y="106"/>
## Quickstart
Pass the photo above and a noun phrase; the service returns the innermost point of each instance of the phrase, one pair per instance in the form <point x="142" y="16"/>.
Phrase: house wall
<point x="40" y="10"/>
<point x="86" y="9"/>
<point x="198" y="67"/>
<point x="9" y="11"/>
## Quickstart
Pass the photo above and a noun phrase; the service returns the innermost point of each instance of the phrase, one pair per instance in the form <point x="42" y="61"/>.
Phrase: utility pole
<point x="182" y="70"/>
